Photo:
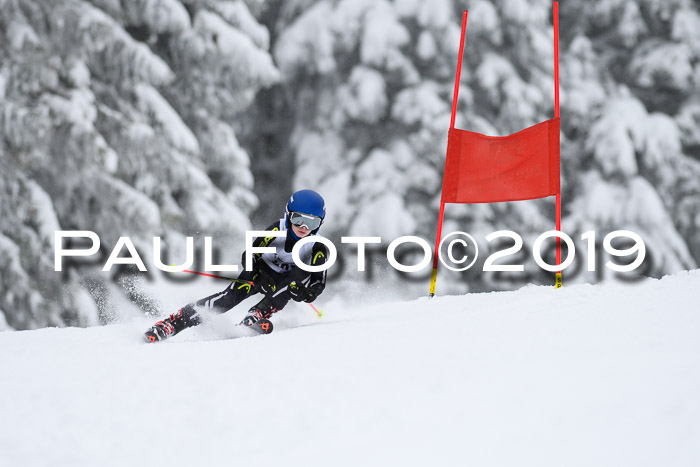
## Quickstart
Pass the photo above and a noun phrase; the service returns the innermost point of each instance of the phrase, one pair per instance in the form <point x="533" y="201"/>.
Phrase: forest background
<point x="198" y="118"/>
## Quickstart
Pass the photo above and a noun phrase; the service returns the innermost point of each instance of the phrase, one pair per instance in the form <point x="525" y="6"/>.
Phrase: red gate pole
<point x="558" y="278"/>
<point x="436" y="252"/>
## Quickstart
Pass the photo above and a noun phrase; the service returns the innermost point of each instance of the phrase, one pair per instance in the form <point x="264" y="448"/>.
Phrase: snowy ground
<point x="583" y="376"/>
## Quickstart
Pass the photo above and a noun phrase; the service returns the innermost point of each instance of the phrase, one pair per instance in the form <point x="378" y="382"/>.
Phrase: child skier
<point x="274" y="274"/>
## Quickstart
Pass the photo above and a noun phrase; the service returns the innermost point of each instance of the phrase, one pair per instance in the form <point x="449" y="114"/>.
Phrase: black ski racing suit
<point x="252" y="282"/>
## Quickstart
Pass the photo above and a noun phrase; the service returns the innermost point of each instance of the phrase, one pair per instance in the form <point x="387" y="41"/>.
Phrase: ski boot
<point x="160" y="331"/>
<point x="184" y="318"/>
<point x="257" y="317"/>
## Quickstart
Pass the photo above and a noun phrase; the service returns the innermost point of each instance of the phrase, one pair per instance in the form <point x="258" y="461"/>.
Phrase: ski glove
<point x="297" y="291"/>
<point x="300" y="293"/>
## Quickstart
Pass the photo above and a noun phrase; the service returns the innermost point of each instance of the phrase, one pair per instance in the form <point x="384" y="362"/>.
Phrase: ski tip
<point x="264" y="326"/>
<point x="150" y="337"/>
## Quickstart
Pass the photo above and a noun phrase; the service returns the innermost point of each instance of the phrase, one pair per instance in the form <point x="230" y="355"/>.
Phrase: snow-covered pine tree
<point x="117" y="118"/>
<point x="631" y="103"/>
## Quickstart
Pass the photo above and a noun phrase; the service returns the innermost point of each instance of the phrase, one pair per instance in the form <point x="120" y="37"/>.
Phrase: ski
<point x="264" y="326"/>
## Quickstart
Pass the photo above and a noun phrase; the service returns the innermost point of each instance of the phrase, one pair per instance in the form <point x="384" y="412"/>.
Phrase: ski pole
<point x="219" y="277"/>
<point x="319" y="313"/>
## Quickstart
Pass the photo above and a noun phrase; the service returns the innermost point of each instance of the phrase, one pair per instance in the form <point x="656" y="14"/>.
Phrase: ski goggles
<point x="305" y="220"/>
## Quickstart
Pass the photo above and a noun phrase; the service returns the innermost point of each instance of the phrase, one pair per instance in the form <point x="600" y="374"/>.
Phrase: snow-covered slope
<point x="584" y="376"/>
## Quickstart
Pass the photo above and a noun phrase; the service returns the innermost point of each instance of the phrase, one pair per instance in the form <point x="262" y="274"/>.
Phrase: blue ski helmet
<point x="306" y="202"/>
